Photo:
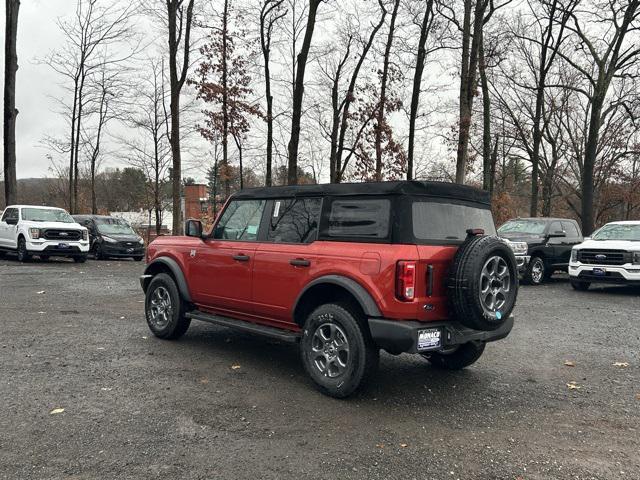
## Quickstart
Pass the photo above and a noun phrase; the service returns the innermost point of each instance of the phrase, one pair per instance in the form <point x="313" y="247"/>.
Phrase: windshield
<point x="46" y="215"/>
<point x="618" y="231"/>
<point x="114" y="226"/>
<point x="525" y="227"/>
<point x="449" y="222"/>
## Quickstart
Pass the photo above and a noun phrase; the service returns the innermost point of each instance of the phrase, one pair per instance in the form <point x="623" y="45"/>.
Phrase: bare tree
<point x="298" y="92"/>
<point x="97" y="37"/>
<point x="270" y="14"/>
<point x="10" y="111"/>
<point x="610" y="53"/>
<point x="425" y="29"/>
<point x="179" y="23"/>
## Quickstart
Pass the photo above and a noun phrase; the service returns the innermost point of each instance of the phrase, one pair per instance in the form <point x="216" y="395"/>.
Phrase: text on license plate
<point x="429" y="339"/>
<point x="63" y="245"/>
<point x="601" y="272"/>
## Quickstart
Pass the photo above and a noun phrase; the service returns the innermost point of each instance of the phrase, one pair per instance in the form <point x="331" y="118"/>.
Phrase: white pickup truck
<point x="42" y="231"/>
<point x="612" y="255"/>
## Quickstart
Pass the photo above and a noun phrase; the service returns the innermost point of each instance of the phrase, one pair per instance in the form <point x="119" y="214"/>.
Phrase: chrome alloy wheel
<point x="537" y="270"/>
<point x="160" y="308"/>
<point x="495" y="285"/>
<point x="330" y="350"/>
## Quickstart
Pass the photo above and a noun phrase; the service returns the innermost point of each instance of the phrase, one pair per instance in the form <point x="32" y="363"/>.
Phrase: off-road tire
<point x="177" y="324"/>
<point x="465" y="355"/>
<point x="531" y="275"/>
<point x="363" y="355"/>
<point x="580" y="286"/>
<point x="23" y="253"/>
<point x="468" y="278"/>
<point x="80" y="259"/>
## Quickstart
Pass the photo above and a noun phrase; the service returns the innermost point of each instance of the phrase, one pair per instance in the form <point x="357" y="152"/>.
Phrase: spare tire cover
<point x="483" y="283"/>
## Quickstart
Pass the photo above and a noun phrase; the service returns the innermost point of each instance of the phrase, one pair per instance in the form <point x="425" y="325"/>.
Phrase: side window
<point x="240" y="221"/>
<point x="10" y="214"/>
<point x="365" y="218"/>
<point x="295" y="220"/>
<point x="571" y="229"/>
<point x="555" y="227"/>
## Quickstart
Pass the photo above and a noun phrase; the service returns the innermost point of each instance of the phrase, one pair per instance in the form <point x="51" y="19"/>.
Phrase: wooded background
<point x="536" y="101"/>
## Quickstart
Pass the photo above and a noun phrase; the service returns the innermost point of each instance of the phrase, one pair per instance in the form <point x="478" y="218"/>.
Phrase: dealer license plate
<point x="63" y="245"/>
<point x="599" y="272"/>
<point x="429" y="339"/>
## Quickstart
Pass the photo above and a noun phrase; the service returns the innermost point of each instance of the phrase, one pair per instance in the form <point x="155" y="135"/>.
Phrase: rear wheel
<point x="165" y="309"/>
<point x="23" y="253"/>
<point x="457" y="359"/>
<point x="44" y="258"/>
<point x="580" y="286"/>
<point x="536" y="272"/>
<point x="337" y="352"/>
<point x="80" y="259"/>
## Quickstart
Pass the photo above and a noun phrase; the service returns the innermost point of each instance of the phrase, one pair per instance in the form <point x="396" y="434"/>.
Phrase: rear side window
<point x="446" y="222"/>
<point x="240" y="221"/>
<point x="294" y="220"/>
<point x="363" y="218"/>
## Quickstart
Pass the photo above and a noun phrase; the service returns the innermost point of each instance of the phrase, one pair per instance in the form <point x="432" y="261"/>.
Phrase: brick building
<point x="195" y="203"/>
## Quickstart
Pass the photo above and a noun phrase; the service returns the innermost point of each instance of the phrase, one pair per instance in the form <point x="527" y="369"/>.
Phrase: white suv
<point x="612" y="255"/>
<point x="43" y="231"/>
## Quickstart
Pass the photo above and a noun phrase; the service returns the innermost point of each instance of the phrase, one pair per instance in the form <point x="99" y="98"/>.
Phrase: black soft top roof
<point x="441" y="190"/>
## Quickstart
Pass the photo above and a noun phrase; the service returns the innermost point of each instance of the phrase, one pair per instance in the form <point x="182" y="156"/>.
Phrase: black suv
<point x="548" y="244"/>
<point x="111" y="237"/>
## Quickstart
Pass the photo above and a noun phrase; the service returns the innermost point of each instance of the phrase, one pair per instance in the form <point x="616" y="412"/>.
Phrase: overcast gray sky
<point x="38" y="34"/>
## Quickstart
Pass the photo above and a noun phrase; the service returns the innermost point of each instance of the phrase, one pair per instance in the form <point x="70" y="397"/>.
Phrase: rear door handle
<point x="241" y="257"/>
<point x="299" y="262"/>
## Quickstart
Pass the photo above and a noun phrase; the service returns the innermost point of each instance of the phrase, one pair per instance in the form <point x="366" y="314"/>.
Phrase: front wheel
<point x="536" y="271"/>
<point x="80" y="259"/>
<point x="337" y="352"/>
<point x="164" y="308"/>
<point x="580" y="286"/>
<point x="138" y="259"/>
<point x="23" y="253"/>
<point x="457" y="359"/>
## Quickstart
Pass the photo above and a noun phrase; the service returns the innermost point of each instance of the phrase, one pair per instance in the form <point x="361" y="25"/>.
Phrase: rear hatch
<point x="438" y="228"/>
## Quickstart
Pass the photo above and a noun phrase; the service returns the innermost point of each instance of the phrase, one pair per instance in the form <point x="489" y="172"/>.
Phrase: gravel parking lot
<point x="224" y="405"/>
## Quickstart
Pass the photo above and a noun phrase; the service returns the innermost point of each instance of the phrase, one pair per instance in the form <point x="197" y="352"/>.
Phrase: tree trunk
<point x="486" y="119"/>
<point x="10" y="111"/>
<point x="298" y="93"/>
<point x="383" y="91"/>
<point x="417" y="84"/>
<point x="591" y="151"/>
<point x="176" y="82"/>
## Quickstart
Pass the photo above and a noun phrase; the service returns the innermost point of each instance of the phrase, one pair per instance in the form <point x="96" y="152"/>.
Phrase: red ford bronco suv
<point x="344" y="270"/>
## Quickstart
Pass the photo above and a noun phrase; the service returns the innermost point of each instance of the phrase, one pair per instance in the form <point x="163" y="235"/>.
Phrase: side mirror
<point x="557" y="234"/>
<point x="193" y="228"/>
<point x="11" y="221"/>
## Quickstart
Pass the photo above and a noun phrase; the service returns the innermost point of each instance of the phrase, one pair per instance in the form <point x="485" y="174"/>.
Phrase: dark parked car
<point x="112" y="237"/>
<point x="344" y="270"/>
<point x="549" y="243"/>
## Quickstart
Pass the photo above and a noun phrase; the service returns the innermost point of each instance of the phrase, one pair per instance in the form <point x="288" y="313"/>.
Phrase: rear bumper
<point x="397" y="336"/>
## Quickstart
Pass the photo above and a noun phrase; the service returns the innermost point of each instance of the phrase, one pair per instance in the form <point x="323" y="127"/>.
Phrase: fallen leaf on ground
<point x="569" y="363"/>
<point x="403" y="445"/>
<point x="573" y="386"/>
<point x="637" y="396"/>
<point x="144" y="338"/>
<point x="40" y="292"/>
<point x="56" y="411"/>
<point x="106" y="389"/>
<point x="121" y="318"/>
<point x="380" y="445"/>
<point x="204" y="380"/>
<point x="235" y="367"/>
<point x="621" y="364"/>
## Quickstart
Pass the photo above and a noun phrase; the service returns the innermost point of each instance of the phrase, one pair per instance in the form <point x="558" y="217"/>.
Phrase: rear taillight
<point x="406" y="280"/>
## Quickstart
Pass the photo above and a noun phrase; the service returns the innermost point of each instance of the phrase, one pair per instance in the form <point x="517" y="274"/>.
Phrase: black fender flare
<point x="176" y="271"/>
<point x="364" y="298"/>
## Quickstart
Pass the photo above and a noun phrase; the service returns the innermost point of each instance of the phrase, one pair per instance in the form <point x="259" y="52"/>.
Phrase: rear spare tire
<point x="483" y="283"/>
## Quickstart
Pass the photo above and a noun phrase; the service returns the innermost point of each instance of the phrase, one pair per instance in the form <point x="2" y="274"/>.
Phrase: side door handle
<point x="299" y="262"/>
<point x="241" y="257"/>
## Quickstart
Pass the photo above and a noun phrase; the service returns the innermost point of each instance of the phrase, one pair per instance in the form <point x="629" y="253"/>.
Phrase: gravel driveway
<point x="223" y="405"/>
